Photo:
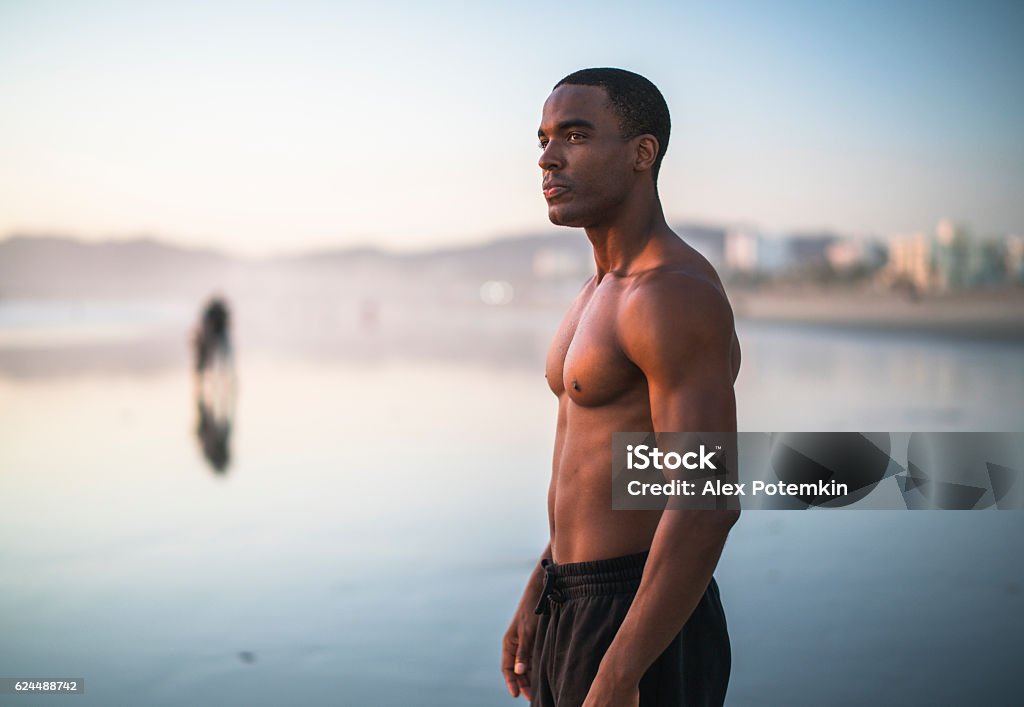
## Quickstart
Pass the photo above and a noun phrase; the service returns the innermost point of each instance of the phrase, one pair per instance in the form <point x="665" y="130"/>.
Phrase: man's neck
<point x="626" y="243"/>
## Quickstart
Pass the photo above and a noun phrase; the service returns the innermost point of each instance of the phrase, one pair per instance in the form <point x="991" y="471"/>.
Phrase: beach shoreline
<point x="993" y="315"/>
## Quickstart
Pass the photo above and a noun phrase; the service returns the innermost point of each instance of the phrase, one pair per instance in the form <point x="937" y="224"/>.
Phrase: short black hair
<point x="641" y="107"/>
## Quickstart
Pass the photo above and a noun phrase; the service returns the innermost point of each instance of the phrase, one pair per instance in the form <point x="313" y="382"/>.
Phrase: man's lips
<point x="553" y="190"/>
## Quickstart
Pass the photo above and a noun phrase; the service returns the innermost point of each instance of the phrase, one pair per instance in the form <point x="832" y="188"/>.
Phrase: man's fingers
<point x="515" y="662"/>
<point x="509" y="648"/>
<point x="522" y="671"/>
<point x="525" y="687"/>
<point x="524" y="662"/>
<point x="511" y="680"/>
<point x="508" y="659"/>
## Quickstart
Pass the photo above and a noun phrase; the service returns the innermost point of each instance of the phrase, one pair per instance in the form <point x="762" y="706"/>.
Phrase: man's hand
<point x="517" y="646"/>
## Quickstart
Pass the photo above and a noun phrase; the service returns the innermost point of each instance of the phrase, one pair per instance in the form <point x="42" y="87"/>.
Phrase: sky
<point x="275" y="127"/>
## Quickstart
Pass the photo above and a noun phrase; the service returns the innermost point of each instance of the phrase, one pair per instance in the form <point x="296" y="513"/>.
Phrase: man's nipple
<point x="576" y="385"/>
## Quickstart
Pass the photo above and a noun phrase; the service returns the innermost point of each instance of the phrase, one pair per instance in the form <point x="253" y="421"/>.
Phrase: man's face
<point x="587" y="164"/>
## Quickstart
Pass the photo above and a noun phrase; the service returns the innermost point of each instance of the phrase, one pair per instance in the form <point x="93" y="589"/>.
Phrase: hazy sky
<point x="265" y="127"/>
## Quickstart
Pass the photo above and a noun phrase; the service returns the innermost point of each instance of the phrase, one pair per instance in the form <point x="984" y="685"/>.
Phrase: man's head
<point x="603" y="132"/>
<point x="638" y="102"/>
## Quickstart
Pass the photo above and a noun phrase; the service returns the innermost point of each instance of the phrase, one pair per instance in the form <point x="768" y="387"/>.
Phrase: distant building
<point x="910" y="262"/>
<point x="852" y="255"/>
<point x="963" y="261"/>
<point x="753" y="253"/>
<point x="706" y="240"/>
<point x="1015" y="259"/>
<point x="741" y="251"/>
<point x="951" y="259"/>
<point x="809" y="252"/>
<point x="950" y="254"/>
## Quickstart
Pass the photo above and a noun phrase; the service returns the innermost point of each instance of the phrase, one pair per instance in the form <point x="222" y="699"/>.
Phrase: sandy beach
<point x="978" y="315"/>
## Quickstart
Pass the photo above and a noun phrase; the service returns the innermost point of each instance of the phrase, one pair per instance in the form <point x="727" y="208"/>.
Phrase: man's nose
<point x="551" y="157"/>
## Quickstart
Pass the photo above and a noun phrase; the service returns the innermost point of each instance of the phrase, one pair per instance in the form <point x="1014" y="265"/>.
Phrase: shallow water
<point x="385" y="501"/>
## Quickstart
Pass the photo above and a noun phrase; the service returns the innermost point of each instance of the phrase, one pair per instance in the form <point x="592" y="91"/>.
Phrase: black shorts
<point x="581" y="609"/>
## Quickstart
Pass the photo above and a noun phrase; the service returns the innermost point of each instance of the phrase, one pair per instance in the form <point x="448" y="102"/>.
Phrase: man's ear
<point x="647" y="149"/>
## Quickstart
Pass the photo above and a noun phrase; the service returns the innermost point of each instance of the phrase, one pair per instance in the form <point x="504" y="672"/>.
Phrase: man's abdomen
<point x="586" y="527"/>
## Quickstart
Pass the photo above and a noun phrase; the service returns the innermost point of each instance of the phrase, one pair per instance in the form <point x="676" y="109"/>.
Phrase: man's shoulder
<point x="672" y="319"/>
<point x="674" y="295"/>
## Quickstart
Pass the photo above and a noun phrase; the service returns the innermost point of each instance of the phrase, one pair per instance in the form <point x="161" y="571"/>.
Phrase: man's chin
<point x="560" y="218"/>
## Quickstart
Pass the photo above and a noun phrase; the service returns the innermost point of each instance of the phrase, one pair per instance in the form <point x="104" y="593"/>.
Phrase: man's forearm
<point x="683" y="556"/>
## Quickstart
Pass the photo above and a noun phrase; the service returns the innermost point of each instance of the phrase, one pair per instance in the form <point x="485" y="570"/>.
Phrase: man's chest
<point x="586" y="360"/>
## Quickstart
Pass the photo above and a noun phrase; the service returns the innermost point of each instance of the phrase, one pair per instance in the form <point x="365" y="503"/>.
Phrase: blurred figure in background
<point x="211" y="338"/>
<point x="214" y="383"/>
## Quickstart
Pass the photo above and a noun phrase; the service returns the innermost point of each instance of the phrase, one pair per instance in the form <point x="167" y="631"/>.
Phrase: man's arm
<point x="517" y="644"/>
<point x="679" y="331"/>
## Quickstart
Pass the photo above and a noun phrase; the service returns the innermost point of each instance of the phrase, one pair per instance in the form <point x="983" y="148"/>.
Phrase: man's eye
<point x="575" y="137"/>
<point x="542" y="144"/>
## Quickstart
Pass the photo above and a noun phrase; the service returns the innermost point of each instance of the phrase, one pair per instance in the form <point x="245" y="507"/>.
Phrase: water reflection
<point x="215" y="383"/>
<point x="393" y="480"/>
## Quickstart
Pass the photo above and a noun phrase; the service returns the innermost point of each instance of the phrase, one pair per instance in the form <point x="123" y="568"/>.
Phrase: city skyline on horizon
<point x="271" y="131"/>
<point x="942" y="231"/>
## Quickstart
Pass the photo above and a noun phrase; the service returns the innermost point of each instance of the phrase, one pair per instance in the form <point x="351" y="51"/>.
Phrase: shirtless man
<point x="648" y="345"/>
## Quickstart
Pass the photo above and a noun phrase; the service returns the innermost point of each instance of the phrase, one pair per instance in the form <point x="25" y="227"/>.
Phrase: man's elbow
<point x="723" y="520"/>
<point x="717" y="521"/>
<point x="730" y="517"/>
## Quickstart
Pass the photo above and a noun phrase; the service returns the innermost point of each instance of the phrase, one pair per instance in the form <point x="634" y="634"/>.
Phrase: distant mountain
<point x="51" y="266"/>
<point x="518" y="249"/>
<point x="56" y="267"/>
